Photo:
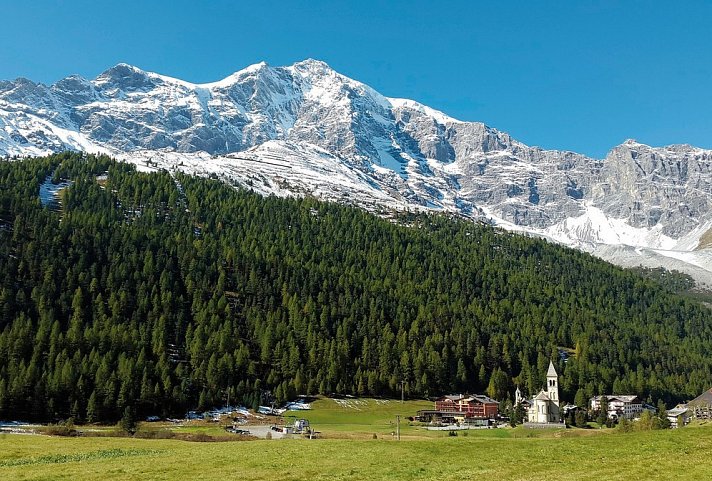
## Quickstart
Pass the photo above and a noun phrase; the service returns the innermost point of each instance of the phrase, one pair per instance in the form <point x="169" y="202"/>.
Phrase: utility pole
<point x="398" y="427"/>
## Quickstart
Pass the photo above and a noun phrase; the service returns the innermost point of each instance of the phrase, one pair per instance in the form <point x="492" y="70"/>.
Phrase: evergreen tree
<point x="580" y="399"/>
<point x="581" y="419"/>
<point x="92" y="409"/>
<point x="664" y="421"/>
<point x="128" y="420"/>
<point x="518" y="415"/>
<point x="603" y="411"/>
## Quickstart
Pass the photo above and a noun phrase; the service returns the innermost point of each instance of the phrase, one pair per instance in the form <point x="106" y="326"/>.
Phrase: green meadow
<point x="360" y="418"/>
<point x="348" y="451"/>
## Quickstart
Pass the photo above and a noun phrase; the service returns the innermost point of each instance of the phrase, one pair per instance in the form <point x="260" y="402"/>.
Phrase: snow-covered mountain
<point x="308" y="130"/>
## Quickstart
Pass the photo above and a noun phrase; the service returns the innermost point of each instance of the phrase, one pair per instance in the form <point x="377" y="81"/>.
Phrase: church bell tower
<point x="552" y="384"/>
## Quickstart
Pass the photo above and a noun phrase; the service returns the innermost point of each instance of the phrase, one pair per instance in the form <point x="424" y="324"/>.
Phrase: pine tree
<point x="581" y="419"/>
<point x="128" y="420"/>
<point x="76" y="412"/>
<point x="602" y="411"/>
<point x="92" y="409"/>
<point x="519" y="415"/>
<point x="580" y="399"/>
<point x="664" y="421"/>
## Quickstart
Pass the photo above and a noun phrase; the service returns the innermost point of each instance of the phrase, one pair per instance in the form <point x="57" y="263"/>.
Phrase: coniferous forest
<point x="161" y="293"/>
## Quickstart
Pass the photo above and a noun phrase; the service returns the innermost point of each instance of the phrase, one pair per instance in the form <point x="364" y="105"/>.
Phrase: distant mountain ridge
<point x="306" y="129"/>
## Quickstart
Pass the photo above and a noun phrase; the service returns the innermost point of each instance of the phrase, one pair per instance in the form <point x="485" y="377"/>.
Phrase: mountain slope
<point x="306" y="129"/>
<point x="160" y="293"/>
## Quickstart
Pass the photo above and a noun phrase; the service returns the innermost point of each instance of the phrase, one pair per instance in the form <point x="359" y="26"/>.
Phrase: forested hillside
<point x="162" y="293"/>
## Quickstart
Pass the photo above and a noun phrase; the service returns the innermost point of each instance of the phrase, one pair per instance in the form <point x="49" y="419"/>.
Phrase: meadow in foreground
<point x="680" y="454"/>
<point x="518" y="454"/>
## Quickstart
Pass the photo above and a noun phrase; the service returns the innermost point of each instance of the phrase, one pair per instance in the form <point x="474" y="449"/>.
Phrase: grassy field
<point x="361" y="418"/>
<point x="491" y="454"/>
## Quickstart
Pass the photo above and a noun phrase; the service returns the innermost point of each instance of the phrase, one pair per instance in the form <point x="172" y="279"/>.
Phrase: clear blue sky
<point x="577" y="75"/>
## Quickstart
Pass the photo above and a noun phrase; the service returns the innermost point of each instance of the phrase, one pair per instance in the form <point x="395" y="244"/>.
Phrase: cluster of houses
<point x="631" y="407"/>
<point x="545" y="410"/>
<point x="479" y="409"/>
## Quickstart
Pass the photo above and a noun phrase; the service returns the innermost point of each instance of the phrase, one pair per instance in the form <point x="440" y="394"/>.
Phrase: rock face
<point x="669" y="186"/>
<point x="305" y="129"/>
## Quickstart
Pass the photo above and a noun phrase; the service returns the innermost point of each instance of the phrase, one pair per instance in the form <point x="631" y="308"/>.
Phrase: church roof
<point x="542" y="396"/>
<point x="551" y="372"/>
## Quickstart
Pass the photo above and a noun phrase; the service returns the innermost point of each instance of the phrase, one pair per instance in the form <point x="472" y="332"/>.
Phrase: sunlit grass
<point x="518" y="454"/>
<point x="679" y="454"/>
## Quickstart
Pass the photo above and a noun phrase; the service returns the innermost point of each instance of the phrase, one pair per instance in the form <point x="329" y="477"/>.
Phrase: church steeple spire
<point x="552" y="384"/>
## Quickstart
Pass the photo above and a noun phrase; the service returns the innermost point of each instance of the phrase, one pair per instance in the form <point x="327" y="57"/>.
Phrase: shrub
<point x="61" y="429"/>
<point x="625" y="426"/>
<point x="155" y="434"/>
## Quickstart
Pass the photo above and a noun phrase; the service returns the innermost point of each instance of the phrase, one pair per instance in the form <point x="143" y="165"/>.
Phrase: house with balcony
<point x="619" y="405"/>
<point x="461" y="408"/>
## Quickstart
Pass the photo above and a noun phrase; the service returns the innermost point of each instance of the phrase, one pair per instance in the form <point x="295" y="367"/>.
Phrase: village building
<point x="571" y="409"/>
<point x="679" y="414"/>
<point x="544" y="408"/>
<point x="701" y="406"/>
<point x="461" y="408"/>
<point x="619" y="406"/>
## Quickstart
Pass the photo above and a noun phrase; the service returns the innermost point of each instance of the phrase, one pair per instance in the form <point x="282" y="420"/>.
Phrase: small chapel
<point x="544" y="408"/>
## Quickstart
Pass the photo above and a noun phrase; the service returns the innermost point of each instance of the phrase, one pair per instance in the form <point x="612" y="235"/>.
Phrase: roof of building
<point x="626" y="398"/>
<point x="704" y="398"/>
<point x="451" y="397"/>
<point x="481" y="398"/>
<point x="551" y="372"/>
<point x="676" y="412"/>
<point x="542" y="396"/>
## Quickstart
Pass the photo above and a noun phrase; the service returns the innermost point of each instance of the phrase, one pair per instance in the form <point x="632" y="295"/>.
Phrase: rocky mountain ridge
<point x="306" y="129"/>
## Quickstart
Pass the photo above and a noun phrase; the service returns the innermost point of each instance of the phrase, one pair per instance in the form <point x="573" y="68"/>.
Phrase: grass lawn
<point x="518" y="454"/>
<point x="361" y="418"/>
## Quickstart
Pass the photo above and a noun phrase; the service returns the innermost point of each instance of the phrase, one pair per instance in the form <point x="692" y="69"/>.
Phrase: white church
<point x="544" y="408"/>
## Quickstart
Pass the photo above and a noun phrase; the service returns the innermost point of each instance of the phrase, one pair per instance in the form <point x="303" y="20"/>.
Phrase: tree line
<point x="162" y="292"/>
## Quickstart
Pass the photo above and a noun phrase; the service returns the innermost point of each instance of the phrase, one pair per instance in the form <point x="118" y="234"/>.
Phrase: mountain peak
<point x="125" y="77"/>
<point x="121" y="69"/>
<point x="255" y="67"/>
<point x="312" y="65"/>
